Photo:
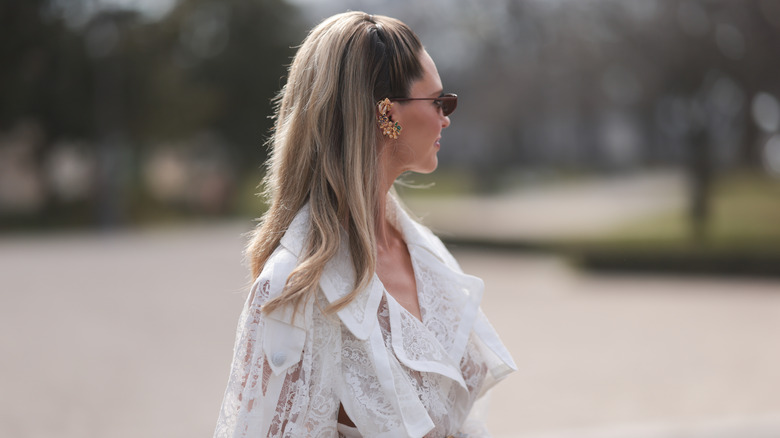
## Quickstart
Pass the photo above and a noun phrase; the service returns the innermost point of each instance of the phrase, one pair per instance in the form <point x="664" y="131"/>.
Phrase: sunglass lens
<point x="449" y="104"/>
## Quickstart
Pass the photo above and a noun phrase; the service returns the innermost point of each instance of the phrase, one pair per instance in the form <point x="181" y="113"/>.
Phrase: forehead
<point x="430" y="82"/>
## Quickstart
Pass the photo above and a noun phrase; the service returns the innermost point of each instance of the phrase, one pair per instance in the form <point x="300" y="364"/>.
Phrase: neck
<point x="382" y="227"/>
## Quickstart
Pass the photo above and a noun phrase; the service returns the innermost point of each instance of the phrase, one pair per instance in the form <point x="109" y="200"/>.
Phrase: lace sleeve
<point x="273" y="392"/>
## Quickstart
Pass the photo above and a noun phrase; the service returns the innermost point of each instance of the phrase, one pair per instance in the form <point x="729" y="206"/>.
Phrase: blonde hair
<point x="324" y="147"/>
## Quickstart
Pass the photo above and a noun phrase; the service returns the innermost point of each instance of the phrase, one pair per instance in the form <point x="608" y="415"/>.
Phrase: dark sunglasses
<point x="447" y="102"/>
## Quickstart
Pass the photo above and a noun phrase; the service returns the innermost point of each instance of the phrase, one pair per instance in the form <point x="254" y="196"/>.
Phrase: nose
<point x="445" y="122"/>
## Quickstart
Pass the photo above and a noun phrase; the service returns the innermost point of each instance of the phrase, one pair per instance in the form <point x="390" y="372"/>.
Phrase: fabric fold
<point x="499" y="361"/>
<point x="460" y="302"/>
<point x="419" y="349"/>
<point x="338" y="278"/>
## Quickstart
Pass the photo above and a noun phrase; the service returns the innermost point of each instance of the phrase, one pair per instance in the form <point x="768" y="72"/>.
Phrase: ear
<point x="384" y="116"/>
<point x="385" y="108"/>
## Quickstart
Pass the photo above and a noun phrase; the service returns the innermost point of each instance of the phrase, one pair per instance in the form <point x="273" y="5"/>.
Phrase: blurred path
<point x="562" y="210"/>
<point x="119" y="335"/>
<point x="130" y="335"/>
<point x="631" y="356"/>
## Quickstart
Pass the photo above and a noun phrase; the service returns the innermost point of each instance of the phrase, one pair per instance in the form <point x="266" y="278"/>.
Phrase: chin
<point x="425" y="168"/>
<point x="430" y="169"/>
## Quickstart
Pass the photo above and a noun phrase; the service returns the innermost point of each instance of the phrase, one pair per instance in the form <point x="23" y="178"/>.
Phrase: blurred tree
<point x="120" y="81"/>
<point x="607" y="85"/>
<point x="716" y="56"/>
<point x="215" y="65"/>
<point x="543" y="81"/>
<point x="108" y="39"/>
<point x="44" y="71"/>
<point x="45" y="83"/>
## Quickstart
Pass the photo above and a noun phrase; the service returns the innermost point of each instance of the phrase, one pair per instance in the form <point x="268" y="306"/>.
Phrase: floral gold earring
<point x="388" y="127"/>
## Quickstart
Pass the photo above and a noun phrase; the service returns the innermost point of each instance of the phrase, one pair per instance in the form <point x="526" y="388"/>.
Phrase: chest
<point x="396" y="272"/>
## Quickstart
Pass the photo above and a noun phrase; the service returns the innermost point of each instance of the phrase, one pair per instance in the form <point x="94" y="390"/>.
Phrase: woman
<point x="359" y="322"/>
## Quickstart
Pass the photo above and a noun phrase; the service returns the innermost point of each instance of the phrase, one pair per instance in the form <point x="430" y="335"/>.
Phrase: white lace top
<point x="396" y="376"/>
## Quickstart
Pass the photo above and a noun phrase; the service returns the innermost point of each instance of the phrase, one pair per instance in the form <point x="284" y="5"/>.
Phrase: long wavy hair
<point x="324" y="147"/>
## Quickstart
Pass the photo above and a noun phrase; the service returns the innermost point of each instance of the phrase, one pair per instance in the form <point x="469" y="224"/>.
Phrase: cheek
<point x="425" y="125"/>
<point x="422" y="125"/>
<point x="434" y="126"/>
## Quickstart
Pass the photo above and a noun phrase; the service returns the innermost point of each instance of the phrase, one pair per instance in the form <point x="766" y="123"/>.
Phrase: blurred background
<point x="612" y="172"/>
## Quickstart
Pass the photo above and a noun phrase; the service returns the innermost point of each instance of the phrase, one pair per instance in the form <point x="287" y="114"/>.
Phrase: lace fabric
<point x="395" y="375"/>
<point x="300" y="401"/>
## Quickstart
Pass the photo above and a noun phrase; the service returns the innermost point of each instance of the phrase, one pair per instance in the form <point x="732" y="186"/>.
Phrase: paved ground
<point x="129" y="335"/>
<point x="576" y="208"/>
<point x="628" y="356"/>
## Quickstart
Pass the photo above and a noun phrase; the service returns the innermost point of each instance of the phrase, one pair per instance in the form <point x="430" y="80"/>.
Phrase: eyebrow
<point x="439" y="93"/>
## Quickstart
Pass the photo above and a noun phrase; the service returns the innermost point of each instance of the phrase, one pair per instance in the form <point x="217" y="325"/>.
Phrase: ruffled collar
<point x="338" y="276"/>
<point x="360" y="315"/>
<point x="449" y="300"/>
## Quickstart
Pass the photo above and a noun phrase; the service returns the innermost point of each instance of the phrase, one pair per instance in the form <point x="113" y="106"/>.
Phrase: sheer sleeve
<point x="276" y="386"/>
<point x="475" y="425"/>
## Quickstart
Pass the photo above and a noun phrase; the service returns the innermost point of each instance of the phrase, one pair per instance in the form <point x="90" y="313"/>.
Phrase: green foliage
<point x="742" y="237"/>
<point x="44" y="72"/>
<point x="166" y="79"/>
<point x="745" y="218"/>
<point x="223" y="80"/>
